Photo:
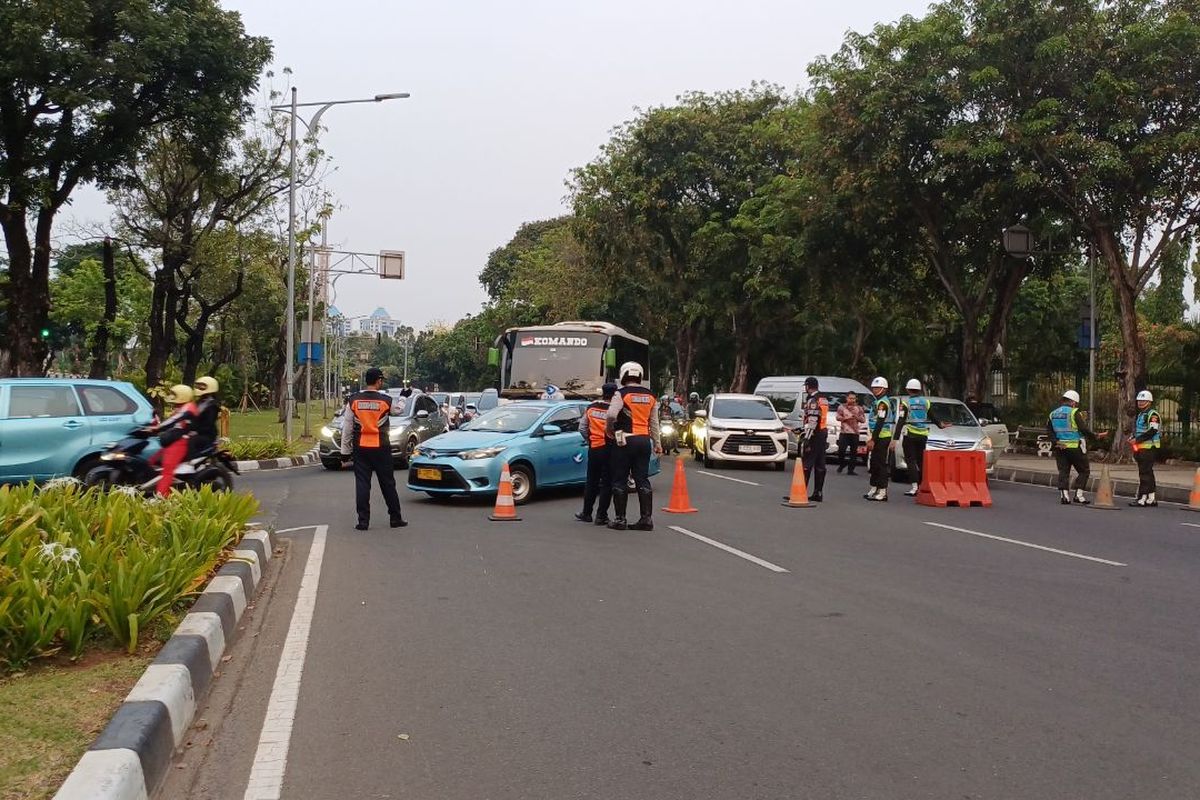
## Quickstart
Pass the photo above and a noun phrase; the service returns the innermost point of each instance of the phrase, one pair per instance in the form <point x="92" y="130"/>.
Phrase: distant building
<point x="336" y="322"/>
<point x="379" y="322"/>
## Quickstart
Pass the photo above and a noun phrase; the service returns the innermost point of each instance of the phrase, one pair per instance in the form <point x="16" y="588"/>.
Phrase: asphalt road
<point x="892" y="659"/>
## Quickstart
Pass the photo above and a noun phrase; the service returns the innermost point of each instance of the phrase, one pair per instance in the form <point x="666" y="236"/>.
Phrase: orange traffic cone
<point x="1194" y="500"/>
<point x="798" y="498"/>
<point x="506" y="509"/>
<point x="680" y="503"/>
<point x="1104" y="492"/>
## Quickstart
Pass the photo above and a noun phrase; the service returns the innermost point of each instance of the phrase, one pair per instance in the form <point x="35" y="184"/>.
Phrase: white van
<point x="784" y="392"/>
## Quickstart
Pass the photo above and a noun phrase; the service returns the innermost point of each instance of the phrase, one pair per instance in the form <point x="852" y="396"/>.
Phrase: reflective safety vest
<point x="1066" y="429"/>
<point x="597" y="422"/>
<point x="916" y="421"/>
<point x="816" y="407"/>
<point x="1146" y="421"/>
<point x="640" y="405"/>
<point x="885" y="415"/>
<point x="369" y="413"/>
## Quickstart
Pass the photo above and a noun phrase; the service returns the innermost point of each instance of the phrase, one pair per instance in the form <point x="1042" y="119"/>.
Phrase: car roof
<point x="825" y="383"/>
<point x="738" y="396"/>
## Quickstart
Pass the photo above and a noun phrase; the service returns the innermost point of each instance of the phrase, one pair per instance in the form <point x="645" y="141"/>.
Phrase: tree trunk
<point x="99" y="368"/>
<point x="741" y="365"/>
<point x="1132" y="374"/>
<point x="685" y="357"/>
<point x="280" y="382"/>
<point x="861" y="329"/>
<point x="28" y="293"/>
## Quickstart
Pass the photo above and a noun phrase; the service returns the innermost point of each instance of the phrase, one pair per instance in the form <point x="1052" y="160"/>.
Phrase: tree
<point x="81" y="87"/>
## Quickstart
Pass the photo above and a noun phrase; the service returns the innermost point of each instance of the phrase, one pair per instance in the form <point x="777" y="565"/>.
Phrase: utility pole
<point x="290" y="373"/>
<point x="1091" y="336"/>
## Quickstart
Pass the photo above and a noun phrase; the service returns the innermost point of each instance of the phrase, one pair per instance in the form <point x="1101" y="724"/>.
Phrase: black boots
<point x="646" y="508"/>
<point x="620" y="502"/>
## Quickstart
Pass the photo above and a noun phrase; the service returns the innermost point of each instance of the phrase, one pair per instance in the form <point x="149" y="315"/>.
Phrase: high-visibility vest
<point x="916" y="422"/>
<point x="597" y="422"/>
<point x="369" y="417"/>
<point x="640" y="404"/>
<point x="816" y="407"/>
<point x="1066" y="429"/>
<point x="1147" y="420"/>
<point x="883" y="409"/>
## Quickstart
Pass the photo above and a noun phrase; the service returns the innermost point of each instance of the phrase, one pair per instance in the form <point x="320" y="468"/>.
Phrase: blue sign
<point x="310" y="352"/>
<point x="1084" y="340"/>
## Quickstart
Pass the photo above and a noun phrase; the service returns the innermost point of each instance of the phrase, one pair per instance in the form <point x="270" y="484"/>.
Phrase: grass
<point x="50" y="715"/>
<point x="265" y="424"/>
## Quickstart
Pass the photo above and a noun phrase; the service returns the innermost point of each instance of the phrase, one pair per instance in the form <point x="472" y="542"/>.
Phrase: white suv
<point x="740" y="427"/>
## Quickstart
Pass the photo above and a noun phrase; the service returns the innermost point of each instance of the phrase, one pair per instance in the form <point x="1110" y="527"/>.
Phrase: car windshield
<point x="505" y="419"/>
<point x="743" y="408"/>
<point x="441" y="398"/>
<point x="488" y="401"/>
<point x="953" y="413"/>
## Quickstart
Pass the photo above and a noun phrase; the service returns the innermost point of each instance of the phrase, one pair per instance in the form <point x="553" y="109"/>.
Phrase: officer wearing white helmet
<point x="882" y="420"/>
<point x="914" y="418"/>
<point x="1068" y="429"/>
<point x="634" y="426"/>
<point x="1146" y="441"/>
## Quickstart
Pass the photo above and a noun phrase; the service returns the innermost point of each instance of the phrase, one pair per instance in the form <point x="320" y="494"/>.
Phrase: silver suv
<point x="414" y="419"/>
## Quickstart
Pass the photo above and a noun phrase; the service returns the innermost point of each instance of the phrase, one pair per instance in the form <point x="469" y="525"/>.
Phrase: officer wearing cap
<point x="365" y="427"/>
<point x="598" y="490"/>
<point x="816" y="438"/>
<point x="1067" y="428"/>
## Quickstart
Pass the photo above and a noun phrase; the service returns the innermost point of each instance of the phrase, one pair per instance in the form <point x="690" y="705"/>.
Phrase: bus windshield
<point x="574" y="362"/>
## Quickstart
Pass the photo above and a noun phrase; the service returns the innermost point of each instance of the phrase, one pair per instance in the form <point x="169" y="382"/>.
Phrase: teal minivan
<point x="54" y="427"/>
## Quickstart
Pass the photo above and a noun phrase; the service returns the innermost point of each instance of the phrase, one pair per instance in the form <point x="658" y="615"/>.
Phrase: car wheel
<point x="405" y="460"/>
<point x="331" y="464"/>
<point x="708" y="462"/>
<point x="522" y="483"/>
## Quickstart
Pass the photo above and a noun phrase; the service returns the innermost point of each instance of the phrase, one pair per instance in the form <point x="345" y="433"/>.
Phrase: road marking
<point x="299" y="528"/>
<point x="1190" y="524"/>
<point x="728" y="549"/>
<point x="1029" y="544"/>
<point x="270" y="760"/>
<point x="727" y="478"/>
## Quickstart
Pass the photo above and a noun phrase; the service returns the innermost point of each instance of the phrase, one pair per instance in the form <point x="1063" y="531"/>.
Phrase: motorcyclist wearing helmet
<point x="882" y="420"/>
<point x="1146" y="441"/>
<point x="914" y="418"/>
<point x="1067" y="429"/>
<point x="173" y="433"/>
<point x="208" y="409"/>
<point x="634" y="425"/>
<point x="693" y="405"/>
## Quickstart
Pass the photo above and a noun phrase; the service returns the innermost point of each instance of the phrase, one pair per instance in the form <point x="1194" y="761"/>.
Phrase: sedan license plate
<point x="429" y="474"/>
<point x="862" y="449"/>
<point x="749" y="448"/>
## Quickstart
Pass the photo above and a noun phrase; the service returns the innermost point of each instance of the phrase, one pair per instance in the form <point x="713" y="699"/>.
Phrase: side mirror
<point x="610" y="359"/>
<point x="701" y="413"/>
<point x="551" y="430"/>
<point x="422" y="415"/>
<point x="493" y="356"/>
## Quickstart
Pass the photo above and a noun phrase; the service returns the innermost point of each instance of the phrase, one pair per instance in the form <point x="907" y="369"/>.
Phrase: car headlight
<point x="483" y="452"/>
<point x="326" y="432"/>
<point x="985" y="443"/>
<point x="395" y="435"/>
<point x="716" y="428"/>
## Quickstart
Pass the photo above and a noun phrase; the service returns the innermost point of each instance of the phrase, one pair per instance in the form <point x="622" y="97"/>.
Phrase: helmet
<point x="180" y="394"/>
<point x="631" y="368"/>
<point x="694" y="396"/>
<point x="1072" y="395"/>
<point x="913" y="385"/>
<point x="879" y="383"/>
<point x="206" y="386"/>
<point x="1145" y="394"/>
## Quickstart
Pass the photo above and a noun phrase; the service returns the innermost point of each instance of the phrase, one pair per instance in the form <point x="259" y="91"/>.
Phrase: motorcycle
<point x="124" y="463"/>
<point x="673" y="430"/>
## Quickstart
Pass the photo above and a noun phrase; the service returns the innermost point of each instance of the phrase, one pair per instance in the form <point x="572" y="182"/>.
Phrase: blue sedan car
<point x="540" y="440"/>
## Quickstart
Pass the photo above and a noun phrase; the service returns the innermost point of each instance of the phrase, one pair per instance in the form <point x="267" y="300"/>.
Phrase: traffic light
<point x="45" y="333"/>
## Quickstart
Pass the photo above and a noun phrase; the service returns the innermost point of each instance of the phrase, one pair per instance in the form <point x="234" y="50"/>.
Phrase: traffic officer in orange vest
<point x="816" y="438"/>
<point x="599" y="468"/>
<point x="1146" y="441"/>
<point x="365" y="428"/>
<point x="634" y="426"/>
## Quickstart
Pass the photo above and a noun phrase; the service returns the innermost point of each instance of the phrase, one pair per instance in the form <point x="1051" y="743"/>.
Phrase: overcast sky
<point x="507" y="97"/>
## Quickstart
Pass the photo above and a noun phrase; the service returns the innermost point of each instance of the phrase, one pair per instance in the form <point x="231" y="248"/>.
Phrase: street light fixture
<point x="291" y="108"/>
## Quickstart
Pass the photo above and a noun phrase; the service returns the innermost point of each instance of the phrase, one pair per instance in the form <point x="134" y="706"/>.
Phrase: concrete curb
<point x="310" y="457"/>
<point x="130" y="758"/>
<point x="1122" y="488"/>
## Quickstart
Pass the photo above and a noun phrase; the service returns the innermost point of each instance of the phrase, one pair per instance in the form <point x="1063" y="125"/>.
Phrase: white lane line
<point x="1190" y="524"/>
<point x="300" y="528"/>
<point x="1029" y="544"/>
<point x="270" y="760"/>
<point x="727" y="478"/>
<point x="728" y="549"/>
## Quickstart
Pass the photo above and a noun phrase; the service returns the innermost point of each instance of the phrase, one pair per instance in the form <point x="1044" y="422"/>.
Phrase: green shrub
<point x="257" y="449"/>
<point x="75" y="562"/>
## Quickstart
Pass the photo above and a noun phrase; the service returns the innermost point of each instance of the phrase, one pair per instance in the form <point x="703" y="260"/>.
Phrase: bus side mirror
<point x="610" y="359"/>
<point x="493" y="356"/>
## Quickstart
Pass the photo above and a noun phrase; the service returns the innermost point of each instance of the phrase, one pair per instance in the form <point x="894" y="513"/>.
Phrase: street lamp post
<point x="292" y="108"/>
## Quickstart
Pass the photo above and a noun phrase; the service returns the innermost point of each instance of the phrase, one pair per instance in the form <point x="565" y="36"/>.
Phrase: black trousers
<point x="598" y="490"/>
<point x="1068" y="457"/>
<point x="375" y="461"/>
<point x="1145" y="462"/>
<point x="848" y="444"/>
<point x="632" y="459"/>
<point x="914" y="456"/>
<point x="878" y="464"/>
<point x="814" y="460"/>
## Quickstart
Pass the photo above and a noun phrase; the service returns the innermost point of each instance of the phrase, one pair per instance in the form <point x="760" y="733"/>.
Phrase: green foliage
<point x="75" y="562"/>
<point x="256" y="449"/>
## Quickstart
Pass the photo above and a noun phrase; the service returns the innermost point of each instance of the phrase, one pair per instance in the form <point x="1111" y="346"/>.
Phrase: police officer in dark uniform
<point x="634" y="425"/>
<point x="816" y="438"/>
<point x="598" y="491"/>
<point x="365" y="427"/>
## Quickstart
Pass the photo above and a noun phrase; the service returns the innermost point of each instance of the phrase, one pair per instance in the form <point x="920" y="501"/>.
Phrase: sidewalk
<point x="1174" y="482"/>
